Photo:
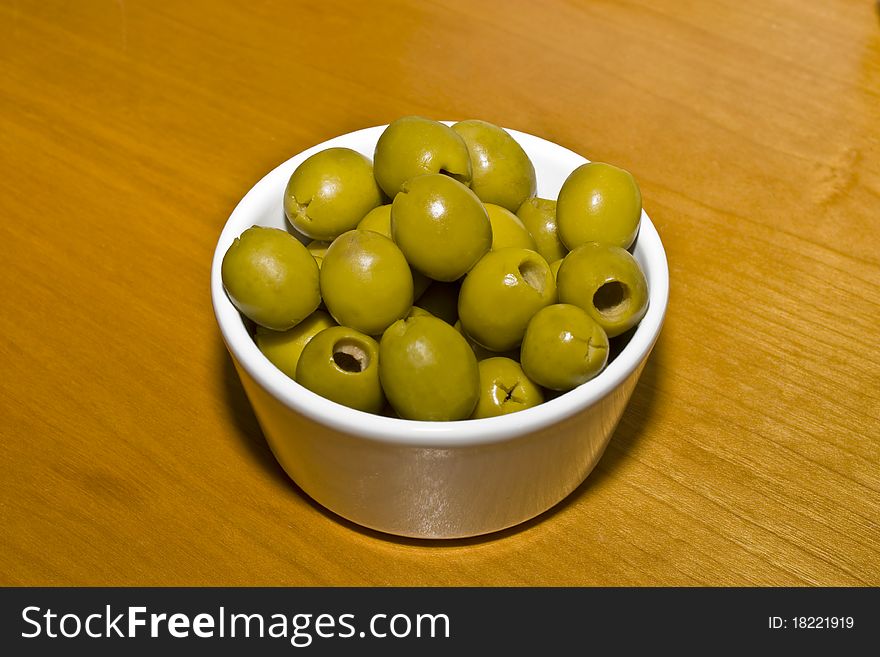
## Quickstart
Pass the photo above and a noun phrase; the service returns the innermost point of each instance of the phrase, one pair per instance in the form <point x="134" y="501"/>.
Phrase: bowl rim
<point x="417" y="433"/>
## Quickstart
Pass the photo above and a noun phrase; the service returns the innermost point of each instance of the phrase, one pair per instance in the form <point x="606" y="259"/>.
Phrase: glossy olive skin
<point x="271" y="278"/>
<point x="428" y="371"/>
<point x="342" y="365"/>
<point x="318" y="249"/>
<point x="330" y="192"/>
<point x="607" y="282"/>
<point x="481" y="352"/>
<point x="441" y="226"/>
<point x="505" y="388"/>
<point x="503" y="174"/>
<point x="283" y="348"/>
<point x="416" y="311"/>
<point x="441" y="300"/>
<point x="539" y="217"/>
<point x="366" y="282"/>
<point x="379" y="220"/>
<point x="599" y="202"/>
<point x="554" y="267"/>
<point x="413" y="146"/>
<point x="507" y="229"/>
<point x="501" y="293"/>
<point x="563" y="347"/>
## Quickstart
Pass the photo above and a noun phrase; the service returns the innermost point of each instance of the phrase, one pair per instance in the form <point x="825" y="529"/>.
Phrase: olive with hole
<point x="330" y="192"/>
<point x="503" y="174"/>
<point x="505" y="388"/>
<point x="507" y="229"/>
<point x="271" y="278"/>
<point x="563" y="347"/>
<point x="428" y="371"/>
<point x="342" y="365"/>
<point x="366" y="282"/>
<point x="413" y="146"/>
<point x="441" y="226"/>
<point x="607" y="282"/>
<point x="539" y="217"/>
<point x="283" y="348"/>
<point x="501" y="293"/>
<point x="599" y="202"/>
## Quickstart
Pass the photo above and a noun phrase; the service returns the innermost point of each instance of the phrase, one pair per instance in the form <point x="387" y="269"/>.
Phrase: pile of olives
<point x="431" y="283"/>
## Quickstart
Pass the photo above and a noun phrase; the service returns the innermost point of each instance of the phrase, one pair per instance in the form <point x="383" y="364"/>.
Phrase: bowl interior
<point x="263" y="206"/>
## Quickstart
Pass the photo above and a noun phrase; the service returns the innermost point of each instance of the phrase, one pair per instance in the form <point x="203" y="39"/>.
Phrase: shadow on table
<point x="242" y="414"/>
<point x="625" y="437"/>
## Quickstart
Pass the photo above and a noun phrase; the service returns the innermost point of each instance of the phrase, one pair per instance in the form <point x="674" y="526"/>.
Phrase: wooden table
<point x="129" y="130"/>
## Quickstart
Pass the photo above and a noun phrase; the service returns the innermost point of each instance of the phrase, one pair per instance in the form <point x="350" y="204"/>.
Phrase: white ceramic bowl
<point x="435" y="479"/>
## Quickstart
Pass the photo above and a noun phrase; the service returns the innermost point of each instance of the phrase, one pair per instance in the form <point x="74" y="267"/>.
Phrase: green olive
<point x="539" y="217"/>
<point x="428" y="371"/>
<point x="480" y="351"/>
<point x="505" y="388"/>
<point x="365" y="281"/>
<point x="318" y="249"/>
<point x="342" y="365"/>
<point x="416" y="311"/>
<point x="420" y="284"/>
<point x="388" y="411"/>
<point x="503" y="174"/>
<point x="563" y="347"/>
<point x="608" y="283"/>
<point x="379" y="220"/>
<point x="441" y="226"/>
<point x="554" y="267"/>
<point x="441" y="300"/>
<point x="413" y="146"/>
<point x="330" y="192"/>
<point x="271" y="278"/>
<point x="283" y="348"/>
<point x="507" y="229"/>
<point x="599" y="202"/>
<point x="501" y="293"/>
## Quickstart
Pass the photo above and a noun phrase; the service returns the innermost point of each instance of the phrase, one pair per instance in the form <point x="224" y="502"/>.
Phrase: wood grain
<point x="129" y="130"/>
